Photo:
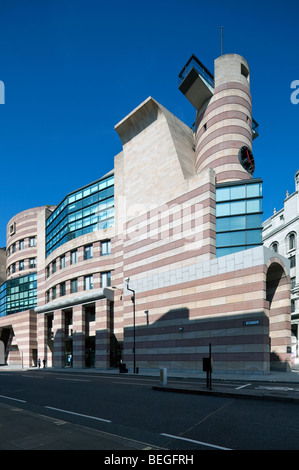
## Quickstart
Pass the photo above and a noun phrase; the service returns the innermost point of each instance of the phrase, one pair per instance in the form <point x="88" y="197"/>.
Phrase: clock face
<point x="246" y="159"/>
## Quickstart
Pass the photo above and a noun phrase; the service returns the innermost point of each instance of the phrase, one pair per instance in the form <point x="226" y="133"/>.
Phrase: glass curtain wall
<point x="238" y="216"/>
<point x="86" y="210"/>
<point x="17" y="295"/>
<point x="3" y="300"/>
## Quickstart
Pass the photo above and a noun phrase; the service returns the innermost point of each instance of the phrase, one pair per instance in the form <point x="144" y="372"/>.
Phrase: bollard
<point x="163" y="376"/>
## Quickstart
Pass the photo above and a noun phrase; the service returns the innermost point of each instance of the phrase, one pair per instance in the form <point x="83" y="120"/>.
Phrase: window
<point x="21" y="245"/>
<point x="21" y="293"/>
<point x="84" y="211"/>
<point x="48" y="296"/>
<point x="88" y="282"/>
<point x="74" y="286"/>
<point x="54" y="266"/>
<point x="293" y="282"/>
<point x="231" y="238"/>
<point x="244" y="71"/>
<point x="13" y="248"/>
<point x="88" y="252"/>
<point x="62" y="288"/>
<point x="54" y="293"/>
<point x="238" y="217"/>
<point x="62" y="261"/>
<point x="74" y="256"/>
<point x="12" y="229"/>
<point x="292" y="241"/>
<point x="32" y="263"/>
<point x="106" y="279"/>
<point x="32" y="241"/>
<point x="274" y="247"/>
<point x="106" y="247"/>
<point x="292" y="261"/>
<point x="13" y="267"/>
<point x="253" y="237"/>
<point x="21" y="265"/>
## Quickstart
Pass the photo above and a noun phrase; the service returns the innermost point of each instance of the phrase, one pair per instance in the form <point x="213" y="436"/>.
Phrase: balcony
<point x="193" y="62"/>
<point x="196" y="82"/>
<point x="255" y="129"/>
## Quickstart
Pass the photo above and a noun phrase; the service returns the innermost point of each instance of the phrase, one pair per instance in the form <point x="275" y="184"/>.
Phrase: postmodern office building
<point x="280" y="233"/>
<point x="162" y="257"/>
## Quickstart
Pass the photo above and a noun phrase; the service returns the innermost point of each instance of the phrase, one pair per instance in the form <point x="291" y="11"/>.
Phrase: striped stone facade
<point x="224" y="124"/>
<point x="163" y="247"/>
<point x="222" y="304"/>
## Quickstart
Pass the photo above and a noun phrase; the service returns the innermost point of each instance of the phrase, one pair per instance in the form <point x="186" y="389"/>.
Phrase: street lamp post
<point x="134" y="342"/>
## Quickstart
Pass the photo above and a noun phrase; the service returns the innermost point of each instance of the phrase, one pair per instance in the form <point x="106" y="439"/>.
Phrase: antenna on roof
<point x="221" y="40"/>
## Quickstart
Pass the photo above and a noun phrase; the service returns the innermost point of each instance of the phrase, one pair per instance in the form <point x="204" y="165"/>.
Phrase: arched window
<point x="291" y="241"/>
<point x="274" y="247"/>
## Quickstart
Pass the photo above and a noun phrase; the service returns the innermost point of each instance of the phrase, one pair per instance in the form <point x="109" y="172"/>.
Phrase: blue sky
<point x="73" y="69"/>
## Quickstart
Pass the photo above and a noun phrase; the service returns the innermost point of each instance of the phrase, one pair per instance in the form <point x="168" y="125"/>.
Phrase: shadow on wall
<point x="239" y="342"/>
<point x="6" y="336"/>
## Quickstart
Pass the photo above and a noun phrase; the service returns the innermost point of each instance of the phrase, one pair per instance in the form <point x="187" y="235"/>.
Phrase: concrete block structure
<point x="152" y="263"/>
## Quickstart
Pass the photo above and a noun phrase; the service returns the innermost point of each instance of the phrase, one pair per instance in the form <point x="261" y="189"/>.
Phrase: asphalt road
<point x="71" y="411"/>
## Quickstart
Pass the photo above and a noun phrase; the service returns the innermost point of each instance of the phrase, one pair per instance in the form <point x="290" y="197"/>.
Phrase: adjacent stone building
<point x="280" y="233"/>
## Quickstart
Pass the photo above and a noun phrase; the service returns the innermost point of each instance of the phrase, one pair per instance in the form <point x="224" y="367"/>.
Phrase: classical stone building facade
<point x="154" y="262"/>
<point x="280" y="233"/>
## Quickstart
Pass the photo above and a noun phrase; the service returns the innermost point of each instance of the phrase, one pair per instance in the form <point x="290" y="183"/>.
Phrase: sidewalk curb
<point x="215" y="393"/>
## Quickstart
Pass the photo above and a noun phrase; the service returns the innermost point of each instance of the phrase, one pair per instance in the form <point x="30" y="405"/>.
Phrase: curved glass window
<point x="3" y="300"/>
<point x="89" y="209"/>
<point x="19" y="294"/>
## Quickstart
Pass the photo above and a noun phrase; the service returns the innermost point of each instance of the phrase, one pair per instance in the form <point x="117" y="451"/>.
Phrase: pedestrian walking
<point x="38" y="363"/>
<point x="44" y="363"/>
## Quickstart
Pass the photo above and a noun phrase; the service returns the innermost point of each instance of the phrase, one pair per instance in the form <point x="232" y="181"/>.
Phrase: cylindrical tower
<point x="224" y="123"/>
<point x="22" y="242"/>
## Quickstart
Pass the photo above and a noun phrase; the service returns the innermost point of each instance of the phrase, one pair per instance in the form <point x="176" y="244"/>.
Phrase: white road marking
<point x="242" y="386"/>
<point x="33" y="376"/>
<point x="195" y="442"/>
<point x="10" y="398"/>
<point x="78" y="414"/>
<point x="282" y="389"/>
<point x="130" y="383"/>
<point x="72" y="380"/>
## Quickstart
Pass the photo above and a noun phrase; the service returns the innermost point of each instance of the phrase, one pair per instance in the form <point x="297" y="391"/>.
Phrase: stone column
<point x="78" y="336"/>
<point x="59" y="335"/>
<point x="102" y="333"/>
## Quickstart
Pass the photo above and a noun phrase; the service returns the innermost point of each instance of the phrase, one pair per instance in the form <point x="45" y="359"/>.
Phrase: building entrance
<point x="68" y="353"/>
<point x="90" y="350"/>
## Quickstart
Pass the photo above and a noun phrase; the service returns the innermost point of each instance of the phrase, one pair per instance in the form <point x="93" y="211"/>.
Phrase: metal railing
<point x="193" y="62"/>
<point x="255" y="128"/>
